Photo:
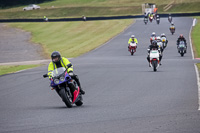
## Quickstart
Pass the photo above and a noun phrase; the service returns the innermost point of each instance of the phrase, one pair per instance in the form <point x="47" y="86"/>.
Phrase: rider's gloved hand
<point x="70" y="73"/>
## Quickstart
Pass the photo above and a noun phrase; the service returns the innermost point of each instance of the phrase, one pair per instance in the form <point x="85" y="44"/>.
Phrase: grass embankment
<point x="73" y="38"/>
<point x="94" y="8"/>
<point x="196" y="40"/>
<point x="70" y="38"/>
<point x="11" y="69"/>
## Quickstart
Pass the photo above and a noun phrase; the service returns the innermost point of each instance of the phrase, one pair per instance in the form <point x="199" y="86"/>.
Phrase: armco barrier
<point x="97" y="18"/>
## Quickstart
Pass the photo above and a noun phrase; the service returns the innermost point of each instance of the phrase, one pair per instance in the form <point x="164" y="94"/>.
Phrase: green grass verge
<point x="12" y="69"/>
<point x="73" y="39"/>
<point x="196" y="38"/>
<point x="198" y="65"/>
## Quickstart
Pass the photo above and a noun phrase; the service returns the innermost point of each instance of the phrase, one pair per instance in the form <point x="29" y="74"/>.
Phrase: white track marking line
<point x="191" y="39"/>
<point x="198" y="83"/>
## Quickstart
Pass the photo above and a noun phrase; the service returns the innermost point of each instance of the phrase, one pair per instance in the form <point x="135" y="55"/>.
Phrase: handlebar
<point x="45" y="75"/>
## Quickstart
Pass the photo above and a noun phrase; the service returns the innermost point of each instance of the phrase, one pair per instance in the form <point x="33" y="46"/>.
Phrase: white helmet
<point x="158" y="38"/>
<point x="132" y="36"/>
<point x="153" y="33"/>
<point x="163" y="34"/>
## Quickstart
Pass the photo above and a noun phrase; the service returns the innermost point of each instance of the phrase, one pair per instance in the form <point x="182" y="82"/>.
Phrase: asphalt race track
<point x="123" y="94"/>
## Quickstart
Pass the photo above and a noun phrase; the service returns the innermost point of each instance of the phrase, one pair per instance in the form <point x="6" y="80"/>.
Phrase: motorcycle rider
<point x="153" y="37"/>
<point x="170" y="17"/>
<point x="157" y="17"/>
<point x="151" y="15"/>
<point x="181" y="38"/>
<point x="172" y="26"/>
<point x="163" y="35"/>
<point x="153" y="46"/>
<point x="58" y="61"/>
<point x="132" y="39"/>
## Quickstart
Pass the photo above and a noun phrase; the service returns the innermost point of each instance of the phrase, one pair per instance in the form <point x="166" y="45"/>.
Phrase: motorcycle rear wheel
<point x="154" y="64"/>
<point x="182" y="54"/>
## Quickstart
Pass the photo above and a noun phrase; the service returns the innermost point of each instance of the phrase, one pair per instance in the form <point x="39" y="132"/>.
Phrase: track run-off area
<point x="123" y="94"/>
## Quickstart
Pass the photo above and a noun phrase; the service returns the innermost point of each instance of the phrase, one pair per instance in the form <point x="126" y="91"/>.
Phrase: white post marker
<point x="194" y="22"/>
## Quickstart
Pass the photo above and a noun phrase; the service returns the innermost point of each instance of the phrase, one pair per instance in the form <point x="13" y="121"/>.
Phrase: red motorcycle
<point x="132" y="47"/>
<point x="150" y="18"/>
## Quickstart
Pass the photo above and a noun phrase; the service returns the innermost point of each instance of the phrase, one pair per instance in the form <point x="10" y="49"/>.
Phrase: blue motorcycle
<point x="66" y="87"/>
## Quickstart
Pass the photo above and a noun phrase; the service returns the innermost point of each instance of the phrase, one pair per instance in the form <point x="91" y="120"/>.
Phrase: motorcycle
<point x="150" y="18"/>
<point x="182" y="48"/>
<point x="154" y="59"/>
<point x="145" y="20"/>
<point x="160" y="44"/>
<point x="164" y="42"/>
<point x="66" y="87"/>
<point x="132" y="47"/>
<point x="158" y="20"/>
<point x="170" y="19"/>
<point x="172" y="30"/>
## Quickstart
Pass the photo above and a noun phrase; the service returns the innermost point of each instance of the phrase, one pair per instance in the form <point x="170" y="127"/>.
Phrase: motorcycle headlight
<point x="62" y="78"/>
<point x="56" y="81"/>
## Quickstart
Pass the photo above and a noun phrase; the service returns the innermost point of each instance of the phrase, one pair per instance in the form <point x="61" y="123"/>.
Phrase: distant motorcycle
<point x="145" y="20"/>
<point x="170" y="19"/>
<point x="66" y="87"/>
<point x="154" y="59"/>
<point x="172" y="29"/>
<point x="164" y="41"/>
<point x="182" y="48"/>
<point x="160" y="44"/>
<point x="132" y="47"/>
<point x="151" y="18"/>
<point x="158" y="20"/>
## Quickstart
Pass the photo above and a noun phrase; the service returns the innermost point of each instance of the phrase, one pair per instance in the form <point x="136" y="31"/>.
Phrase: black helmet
<point x="154" y="43"/>
<point x="54" y="55"/>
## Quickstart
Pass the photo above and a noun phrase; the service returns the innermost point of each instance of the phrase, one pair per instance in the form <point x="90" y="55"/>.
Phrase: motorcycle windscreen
<point x="58" y="71"/>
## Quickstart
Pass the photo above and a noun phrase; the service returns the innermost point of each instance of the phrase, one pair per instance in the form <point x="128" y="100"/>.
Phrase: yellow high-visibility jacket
<point x="64" y="62"/>
<point x="130" y="40"/>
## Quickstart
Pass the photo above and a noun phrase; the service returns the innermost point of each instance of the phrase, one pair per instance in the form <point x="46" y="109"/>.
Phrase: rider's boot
<point x="78" y="82"/>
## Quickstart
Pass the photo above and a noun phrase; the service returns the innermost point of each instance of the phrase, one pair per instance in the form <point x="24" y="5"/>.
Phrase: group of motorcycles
<point x="68" y="89"/>
<point x="154" y="54"/>
<point x="152" y="17"/>
<point x="172" y="27"/>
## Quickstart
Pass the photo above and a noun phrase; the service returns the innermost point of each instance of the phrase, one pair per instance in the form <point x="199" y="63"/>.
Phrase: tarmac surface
<point x="123" y="94"/>
<point x="15" y="46"/>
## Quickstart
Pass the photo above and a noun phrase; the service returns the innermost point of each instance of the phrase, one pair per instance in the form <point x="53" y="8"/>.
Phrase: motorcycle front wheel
<point x="65" y="97"/>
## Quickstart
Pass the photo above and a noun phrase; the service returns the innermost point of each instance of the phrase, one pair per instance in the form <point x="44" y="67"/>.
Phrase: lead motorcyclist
<point x="132" y="39"/>
<point x="58" y="61"/>
<point x="153" y="46"/>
